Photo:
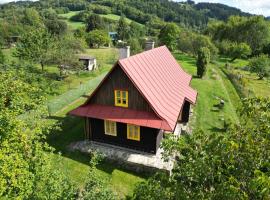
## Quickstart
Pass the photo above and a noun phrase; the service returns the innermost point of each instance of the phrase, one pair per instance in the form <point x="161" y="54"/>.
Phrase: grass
<point x="115" y="17"/>
<point x="211" y="89"/>
<point x="71" y="24"/>
<point x="76" y="165"/>
<point x="106" y="57"/>
<point x="252" y="85"/>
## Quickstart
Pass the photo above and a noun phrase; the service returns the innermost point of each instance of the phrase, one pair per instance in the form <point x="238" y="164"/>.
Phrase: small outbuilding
<point x="90" y="62"/>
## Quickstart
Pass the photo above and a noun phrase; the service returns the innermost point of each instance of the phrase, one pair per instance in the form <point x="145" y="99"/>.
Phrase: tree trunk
<point x="42" y="66"/>
<point x="233" y="59"/>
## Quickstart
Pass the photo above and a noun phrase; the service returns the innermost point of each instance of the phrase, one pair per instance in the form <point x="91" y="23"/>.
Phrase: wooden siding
<point x="119" y="80"/>
<point x="149" y="138"/>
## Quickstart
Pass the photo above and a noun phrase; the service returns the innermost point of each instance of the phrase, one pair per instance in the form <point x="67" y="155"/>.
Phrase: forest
<point x="227" y="51"/>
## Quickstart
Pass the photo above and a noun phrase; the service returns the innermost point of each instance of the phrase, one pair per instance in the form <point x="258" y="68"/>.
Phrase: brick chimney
<point x="124" y="52"/>
<point x="149" y="45"/>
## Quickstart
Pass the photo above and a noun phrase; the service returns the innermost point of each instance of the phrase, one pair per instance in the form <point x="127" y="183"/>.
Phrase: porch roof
<point x="123" y="115"/>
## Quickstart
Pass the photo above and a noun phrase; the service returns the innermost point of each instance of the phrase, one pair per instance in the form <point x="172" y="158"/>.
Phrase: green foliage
<point x="35" y="46"/>
<point x="26" y="170"/>
<point x="31" y="18"/>
<point x="94" y="22"/>
<point x="157" y="187"/>
<point x="190" y="42"/>
<point x="96" y="187"/>
<point x="168" y="35"/>
<point x="2" y="57"/>
<point x="80" y="17"/>
<point x="260" y="65"/>
<point x="99" y="9"/>
<point x="97" y="38"/>
<point x="253" y="31"/>
<point x="136" y="30"/>
<point x="202" y="61"/>
<point x="123" y="29"/>
<point x="234" y="165"/>
<point x="135" y="46"/>
<point x="56" y="27"/>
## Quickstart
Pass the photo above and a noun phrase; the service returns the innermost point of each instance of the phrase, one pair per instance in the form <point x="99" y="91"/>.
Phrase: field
<point x="211" y="89"/>
<point x="115" y="17"/>
<point x="72" y="25"/>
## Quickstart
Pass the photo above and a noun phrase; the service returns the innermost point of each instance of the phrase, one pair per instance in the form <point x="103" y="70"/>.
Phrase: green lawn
<point x="72" y="25"/>
<point x="115" y="17"/>
<point x="213" y="87"/>
<point x="75" y="164"/>
<point x="252" y="85"/>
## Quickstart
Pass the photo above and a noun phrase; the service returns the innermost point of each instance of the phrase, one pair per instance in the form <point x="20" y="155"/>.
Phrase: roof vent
<point x="149" y="45"/>
<point x="124" y="52"/>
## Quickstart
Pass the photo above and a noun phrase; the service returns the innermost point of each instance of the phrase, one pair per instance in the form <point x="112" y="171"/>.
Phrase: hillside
<point x="187" y="14"/>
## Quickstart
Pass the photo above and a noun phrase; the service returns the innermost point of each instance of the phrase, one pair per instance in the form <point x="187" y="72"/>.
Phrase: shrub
<point x="260" y="65"/>
<point x="202" y="61"/>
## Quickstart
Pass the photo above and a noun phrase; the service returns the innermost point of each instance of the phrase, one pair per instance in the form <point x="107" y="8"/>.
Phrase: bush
<point x="260" y="65"/>
<point x="80" y="17"/>
<point x="97" y="38"/>
<point x="202" y="61"/>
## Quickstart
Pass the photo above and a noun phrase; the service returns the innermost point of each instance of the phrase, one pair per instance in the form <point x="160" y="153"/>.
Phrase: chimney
<point x="124" y="52"/>
<point x="149" y="45"/>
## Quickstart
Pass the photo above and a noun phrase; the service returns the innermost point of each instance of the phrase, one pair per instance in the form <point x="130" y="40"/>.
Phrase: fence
<point x="63" y="100"/>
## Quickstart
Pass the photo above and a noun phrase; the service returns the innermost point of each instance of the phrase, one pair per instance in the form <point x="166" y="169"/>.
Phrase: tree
<point x="56" y="27"/>
<point x="241" y="50"/>
<point x="260" y="65"/>
<point x="93" y="22"/>
<point x="135" y="46"/>
<point x="202" y="61"/>
<point x="168" y="35"/>
<point x="123" y="30"/>
<point x="27" y="170"/>
<point x="231" y="165"/>
<point x="98" y="38"/>
<point x="96" y="186"/>
<point x="136" y="30"/>
<point x="35" y="46"/>
<point x="64" y="54"/>
<point x="2" y="57"/>
<point x="31" y="18"/>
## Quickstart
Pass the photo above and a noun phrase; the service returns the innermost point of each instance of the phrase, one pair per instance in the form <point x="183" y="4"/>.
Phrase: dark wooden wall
<point x="185" y="112"/>
<point x="119" y="80"/>
<point x="150" y="138"/>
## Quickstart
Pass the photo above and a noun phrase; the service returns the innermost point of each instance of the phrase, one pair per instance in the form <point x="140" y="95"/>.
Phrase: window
<point x="121" y="98"/>
<point x="110" y="128"/>
<point x="133" y="132"/>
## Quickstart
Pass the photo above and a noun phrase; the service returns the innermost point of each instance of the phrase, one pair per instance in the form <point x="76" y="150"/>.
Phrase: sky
<point x="261" y="7"/>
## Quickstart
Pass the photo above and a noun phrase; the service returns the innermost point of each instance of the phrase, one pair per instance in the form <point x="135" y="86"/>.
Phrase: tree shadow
<point x="72" y="130"/>
<point x="217" y="130"/>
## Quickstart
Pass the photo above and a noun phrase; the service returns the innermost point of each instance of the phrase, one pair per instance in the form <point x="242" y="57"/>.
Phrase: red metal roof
<point x="123" y="115"/>
<point x="161" y="80"/>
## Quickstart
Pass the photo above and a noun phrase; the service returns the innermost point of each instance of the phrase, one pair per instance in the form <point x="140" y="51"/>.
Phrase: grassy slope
<point x="213" y="87"/>
<point x="260" y="88"/>
<point x="72" y="25"/>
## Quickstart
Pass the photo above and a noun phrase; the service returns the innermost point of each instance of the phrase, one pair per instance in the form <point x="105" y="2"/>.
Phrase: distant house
<point x="89" y="62"/>
<point x="140" y="99"/>
<point x="113" y="36"/>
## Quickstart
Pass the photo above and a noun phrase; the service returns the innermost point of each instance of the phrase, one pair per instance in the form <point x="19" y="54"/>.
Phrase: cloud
<point x="260" y="7"/>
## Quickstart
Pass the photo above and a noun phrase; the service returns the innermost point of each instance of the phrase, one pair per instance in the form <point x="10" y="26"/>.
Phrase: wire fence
<point x="67" y="98"/>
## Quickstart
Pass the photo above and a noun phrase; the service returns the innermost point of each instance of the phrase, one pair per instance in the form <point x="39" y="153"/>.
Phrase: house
<point x="140" y="99"/>
<point x="89" y="62"/>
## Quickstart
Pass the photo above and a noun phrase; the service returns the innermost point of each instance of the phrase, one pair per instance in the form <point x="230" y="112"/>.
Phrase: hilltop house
<point x="142" y="97"/>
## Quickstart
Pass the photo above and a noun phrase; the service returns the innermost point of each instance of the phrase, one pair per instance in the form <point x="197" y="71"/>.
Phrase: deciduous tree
<point x="168" y="35"/>
<point x="260" y="65"/>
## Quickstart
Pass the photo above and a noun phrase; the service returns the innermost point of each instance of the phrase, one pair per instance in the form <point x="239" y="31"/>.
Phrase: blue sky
<point x="261" y="7"/>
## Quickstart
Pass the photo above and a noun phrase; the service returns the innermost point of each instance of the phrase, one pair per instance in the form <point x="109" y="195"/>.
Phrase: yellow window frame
<point x="121" y="98"/>
<point x="110" y="128"/>
<point x="133" y="132"/>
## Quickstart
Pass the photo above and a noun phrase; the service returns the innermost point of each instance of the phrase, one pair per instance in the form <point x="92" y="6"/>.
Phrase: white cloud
<point x="261" y="7"/>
